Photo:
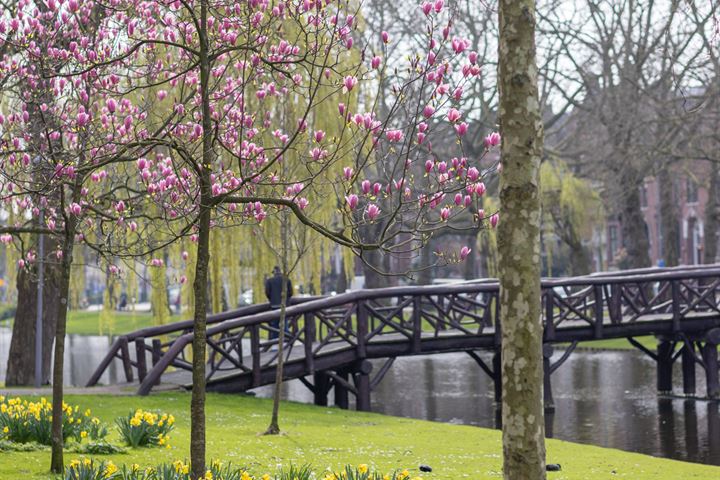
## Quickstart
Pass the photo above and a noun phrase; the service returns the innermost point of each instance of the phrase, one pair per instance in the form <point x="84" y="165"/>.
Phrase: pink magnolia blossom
<point x="349" y="82"/>
<point x="352" y="201"/>
<point x="394" y="135"/>
<point x="494" y="219"/>
<point x="366" y="186"/>
<point x="464" y="252"/>
<point x="348" y="173"/>
<point x="375" y="62"/>
<point x="461" y="129"/>
<point x="453" y="115"/>
<point x="492" y="140"/>
<point x="372" y="211"/>
<point x="444" y="214"/>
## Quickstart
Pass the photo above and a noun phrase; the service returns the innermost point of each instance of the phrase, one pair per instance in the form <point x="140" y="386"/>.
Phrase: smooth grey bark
<point x="519" y="244"/>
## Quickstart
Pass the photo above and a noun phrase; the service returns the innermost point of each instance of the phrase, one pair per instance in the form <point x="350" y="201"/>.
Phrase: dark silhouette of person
<point x="273" y="292"/>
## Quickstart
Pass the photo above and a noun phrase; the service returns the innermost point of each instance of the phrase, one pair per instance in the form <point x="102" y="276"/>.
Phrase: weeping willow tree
<point x="570" y="209"/>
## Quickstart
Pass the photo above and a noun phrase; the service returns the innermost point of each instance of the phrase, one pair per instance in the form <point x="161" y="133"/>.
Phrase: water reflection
<point x="82" y="354"/>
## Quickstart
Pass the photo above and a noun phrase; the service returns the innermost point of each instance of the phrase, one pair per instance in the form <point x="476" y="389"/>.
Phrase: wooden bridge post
<point x="664" y="365"/>
<point x="140" y="358"/>
<point x="310" y="335"/>
<point x="125" y="353"/>
<point x="688" y="368"/>
<point x="362" y="383"/>
<point x="497" y="374"/>
<point x="547" y="386"/>
<point x="156" y="354"/>
<point x="321" y="383"/>
<point x="362" y="329"/>
<point x="710" y="358"/>
<point x="255" y="352"/>
<point x="341" y="393"/>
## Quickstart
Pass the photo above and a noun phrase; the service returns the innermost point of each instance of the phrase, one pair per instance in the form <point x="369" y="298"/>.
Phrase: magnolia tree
<point x="170" y="118"/>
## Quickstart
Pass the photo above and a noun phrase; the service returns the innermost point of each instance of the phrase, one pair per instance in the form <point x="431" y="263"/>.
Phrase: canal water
<point x="604" y="398"/>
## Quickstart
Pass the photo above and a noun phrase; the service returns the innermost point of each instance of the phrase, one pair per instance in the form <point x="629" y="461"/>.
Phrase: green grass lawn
<point x="648" y="341"/>
<point x="328" y="438"/>
<point x="88" y="323"/>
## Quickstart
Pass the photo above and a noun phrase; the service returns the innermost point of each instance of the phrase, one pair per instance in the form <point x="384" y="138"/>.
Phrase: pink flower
<point x="341" y="109"/>
<point x="161" y="94"/>
<point x="473" y="174"/>
<point x="444" y="214"/>
<point x="365" y="185"/>
<point x="480" y="189"/>
<point x="376" y="188"/>
<point x="183" y="279"/>
<point x="453" y="115"/>
<point x="481" y="214"/>
<point x="467" y="200"/>
<point x="385" y="37"/>
<point x="494" y="219"/>
<point x="133" y="226"/>
<point x="352" y="201"/>
<point x="21" y="263"/>
<point x="442" y="167"/>
<point x="492" y="140"/>
<point x="349" y="82"/>
<point x="6" y="238"/>
<point x="347" y="173"/>
<point x="128" y="122"/>
<point x="429" y="164"/>
<point x="120" y="207"/>
<point x="75" y="209"/>
<point x="394" y="135"/>
<point x="428" y="111"/>
<point x="156" y="262"/>
<point x="464" y="252"/>
<point x="458" y="199"/>
<point x="461" y="129"/>
<point x="372" y="211"/>
<point x="375" y="62"/>
<point x="439" y="5"/>
<point x="473" y="57"/>
<point x="302" y="203"/>
<point x="83" y="119"/>
<point x="427" y="8"/>
<point x="319" y="135"/>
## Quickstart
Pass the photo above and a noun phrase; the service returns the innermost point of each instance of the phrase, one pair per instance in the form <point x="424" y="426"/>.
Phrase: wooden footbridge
<point x="332" y="339"/>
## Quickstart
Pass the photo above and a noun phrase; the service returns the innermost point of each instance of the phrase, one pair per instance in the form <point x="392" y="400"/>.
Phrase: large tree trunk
<point x="21" y="359"/>
<point x="711" y="217"/>
<point x="669" y="220"/>
<point x="634" y="232"/>
<point x="519" y="244"/>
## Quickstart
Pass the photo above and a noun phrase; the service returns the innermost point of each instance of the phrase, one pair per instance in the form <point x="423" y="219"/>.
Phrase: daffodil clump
<point x="145" y="428"/>
<point x="363" y="472"/>
<point x="87" y="469"/>
<point x="22" y="421"/>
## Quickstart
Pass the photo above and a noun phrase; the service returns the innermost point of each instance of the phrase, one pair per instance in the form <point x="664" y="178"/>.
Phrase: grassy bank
<point x="331" y="437"/>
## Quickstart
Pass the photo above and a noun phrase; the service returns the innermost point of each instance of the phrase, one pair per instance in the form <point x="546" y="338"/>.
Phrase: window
<point x="691" y="191"/>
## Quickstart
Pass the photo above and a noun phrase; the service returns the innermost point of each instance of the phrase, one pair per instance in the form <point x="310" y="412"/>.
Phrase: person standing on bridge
<point x="273" y="292"/>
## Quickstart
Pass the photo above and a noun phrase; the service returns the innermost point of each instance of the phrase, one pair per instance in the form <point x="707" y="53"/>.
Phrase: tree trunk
<point x="21" y="359"/>
<point x="519" y="244"/>
<point x="202" y="265"/>
<point x="711" y="217"/>
<point x="274" y="427"/>
<point x="669" y="219"/>
<point x="56" y="460"/>
<point x="634" y="232"/>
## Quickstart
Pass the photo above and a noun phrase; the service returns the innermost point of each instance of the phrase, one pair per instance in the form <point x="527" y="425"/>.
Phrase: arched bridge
<point x="330" y="340"/>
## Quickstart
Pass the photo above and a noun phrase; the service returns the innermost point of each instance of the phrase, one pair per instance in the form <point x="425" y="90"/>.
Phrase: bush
<point x="145" y="428"/>
<point x="99" y="448"/>
<point x="24" y="422"/>
<point x="86" y="469"/>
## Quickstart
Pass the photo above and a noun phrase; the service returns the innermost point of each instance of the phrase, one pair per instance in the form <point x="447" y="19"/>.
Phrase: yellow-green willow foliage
<point x="217" y="256"/>
<point x="159" y="298"/>
<point x="110" y="298"/>
<point x="188" y="299"/>
<point x="11" y="268"/>
<point x="487" y="239"/>
<point x="77" y="278"/>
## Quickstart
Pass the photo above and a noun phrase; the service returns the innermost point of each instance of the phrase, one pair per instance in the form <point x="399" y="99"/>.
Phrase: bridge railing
<point x="240" y="341"/>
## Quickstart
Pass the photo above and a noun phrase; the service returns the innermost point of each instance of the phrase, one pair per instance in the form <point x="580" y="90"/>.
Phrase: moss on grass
<point x="329" y="437"/>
